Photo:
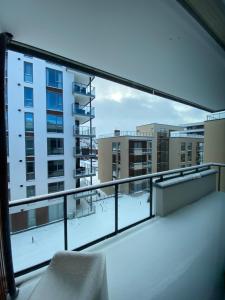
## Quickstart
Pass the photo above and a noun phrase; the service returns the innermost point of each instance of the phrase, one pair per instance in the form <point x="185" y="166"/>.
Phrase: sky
<point x="121" y="107"/>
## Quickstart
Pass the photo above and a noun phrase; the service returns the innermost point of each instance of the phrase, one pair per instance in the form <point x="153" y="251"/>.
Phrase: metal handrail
<point x="161" y="176"/>
<point x="34" y="199"/>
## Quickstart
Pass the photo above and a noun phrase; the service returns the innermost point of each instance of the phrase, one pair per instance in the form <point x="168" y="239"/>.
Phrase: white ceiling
<point x="152" y="42"/>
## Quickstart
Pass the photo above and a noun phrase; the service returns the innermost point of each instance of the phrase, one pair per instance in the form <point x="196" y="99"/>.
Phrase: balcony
<point x="188" y="225"/>
<point x="83" y="113"/>
<point x="140" y="151"/>
<point x="140" y="165"/>
<point x="83" y="93"/>
<point x="84" y="152"/>
<point x="84" y="172"/>
<point x="84" y="131"/>
<point x="216" y="116"/>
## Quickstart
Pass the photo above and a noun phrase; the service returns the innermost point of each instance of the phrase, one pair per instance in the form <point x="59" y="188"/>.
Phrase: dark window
<point x="28" y="97"/>
<point x="189" y="146"/>
<point x="55" y="146"/>
<point x="30" y="191"/>
<point x="189" y="156"/>
<point x="55" y="187"/>
<point x="30" y="170"/>
<point x="28" y="72"/>
<point x="183" y="146"/>
<point x="54" y="78"/>
<point x="54" y="123"/>
<point x="54" y="101"/>
<point x="55" y="168"/>
<point x="29" y="121"/>
<point x="29" y="145"/>
<point x="182" y="157"/>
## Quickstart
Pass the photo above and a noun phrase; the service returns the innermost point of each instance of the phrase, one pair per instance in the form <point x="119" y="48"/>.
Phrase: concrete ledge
<point x="176" y="193"/>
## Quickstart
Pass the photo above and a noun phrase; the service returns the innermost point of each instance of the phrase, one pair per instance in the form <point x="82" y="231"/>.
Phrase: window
<point x="54" y="123"/>
<point x="189" y="146"/>
<point x="182" y="157"/>
<point x="28" y="97"/>
<point x="29" y="145"/>
<point x="54" y="78"/>
<point x="29" y="121"/>
<point x="189" y="156"/>
<point x="55" y="168"/>
<point x="30" y="191"/>
<point x="54" y="101"/>
<point x="55" y="187"/>
<point x="55" y="146"/>
<point x="30" y="170"/>
<point x="28" y="72"/>
<point x="183" y="146"/>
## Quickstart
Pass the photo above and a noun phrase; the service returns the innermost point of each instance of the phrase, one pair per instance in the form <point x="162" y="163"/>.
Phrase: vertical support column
<point x="150" y="197"/>
<point x="219" y="176"/>
<point x="116" y="208"/>
<point x="65" y="222"/>
<point x="91" y="149"/>
<point x="7" y="251"/>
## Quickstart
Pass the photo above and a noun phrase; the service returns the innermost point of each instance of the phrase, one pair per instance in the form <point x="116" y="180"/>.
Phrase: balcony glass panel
<point x="84" y="110"/>
<point x="83" y="89"/>
<point x="134" y="202"/>
<point x="93" y="219"/>
<point x="43" y="221"/>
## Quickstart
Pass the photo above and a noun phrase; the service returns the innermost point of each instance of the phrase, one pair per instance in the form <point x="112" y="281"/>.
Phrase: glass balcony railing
<point x="85" y="111"/>
<point x="83" y="171"/>
<point x="84" y="151"/>
<point x="83" y="89"/>
<point x="140" y="151"/>
<point x="84" y="131"/>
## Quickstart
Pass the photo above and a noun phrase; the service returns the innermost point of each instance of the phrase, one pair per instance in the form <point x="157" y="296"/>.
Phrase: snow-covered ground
<point x="39" y="244"/>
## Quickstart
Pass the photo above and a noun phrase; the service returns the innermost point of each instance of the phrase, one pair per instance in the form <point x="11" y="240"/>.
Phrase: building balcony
<point x="140" y="151"/>
<point x="84" y="131"/>
<point x="84" y="152"/>
<point x="83" y="93"/>
<point x="84" y="172"/>
<point x="83" y="113"/>
<point x="140" y="165"/>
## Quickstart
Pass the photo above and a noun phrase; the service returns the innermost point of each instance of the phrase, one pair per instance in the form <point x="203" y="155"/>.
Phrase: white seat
<point x="73" y="275"/>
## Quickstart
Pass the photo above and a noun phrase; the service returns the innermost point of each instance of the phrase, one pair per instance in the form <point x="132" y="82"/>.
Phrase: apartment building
<point x="150" y="149"/>
<point x="50" y="136"/>
<point x="215" y="142"/>
<point x="125" y="154"/>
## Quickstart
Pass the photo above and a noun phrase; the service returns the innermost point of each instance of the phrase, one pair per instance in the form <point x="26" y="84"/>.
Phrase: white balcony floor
<point x="178" y="257"/>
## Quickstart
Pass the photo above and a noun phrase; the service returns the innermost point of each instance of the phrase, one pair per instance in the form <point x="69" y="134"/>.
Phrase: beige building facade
<point x="150" y="149"/>
<point x="215" y="143"/>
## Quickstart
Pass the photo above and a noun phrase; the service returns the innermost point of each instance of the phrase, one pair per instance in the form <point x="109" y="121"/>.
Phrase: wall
<point x="215" y="144"/>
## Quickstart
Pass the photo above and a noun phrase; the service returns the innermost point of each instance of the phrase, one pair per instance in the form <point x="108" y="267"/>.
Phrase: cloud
<point x="124" y="108"/>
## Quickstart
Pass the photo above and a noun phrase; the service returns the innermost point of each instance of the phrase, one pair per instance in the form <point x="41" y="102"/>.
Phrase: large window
<point x="55" y="168"/>
<point x="54" y="78"/>
<point x="183" y="146"/>
<point x="55" y="187"/>
<point x="189" y="156"/>
<point x="182" y="157"/>
<point x="55" y="146"/>
<point x="29" y="145"/>
<point x="29" y="121"/>
<point x="28" y="97"/>
<point x="30" y="170"/>
<point x="30" y="191"/>
<point x="54" y="123"/>
<point x="54" y="101"/>
<point x="28" y="72"/>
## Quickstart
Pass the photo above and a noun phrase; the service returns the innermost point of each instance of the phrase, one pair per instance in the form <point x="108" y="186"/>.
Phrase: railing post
<point x="219" y="176"/>
<point x="116" y="208"/>
<point x="65" y="222"/>
<point x="150" y="197"/>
